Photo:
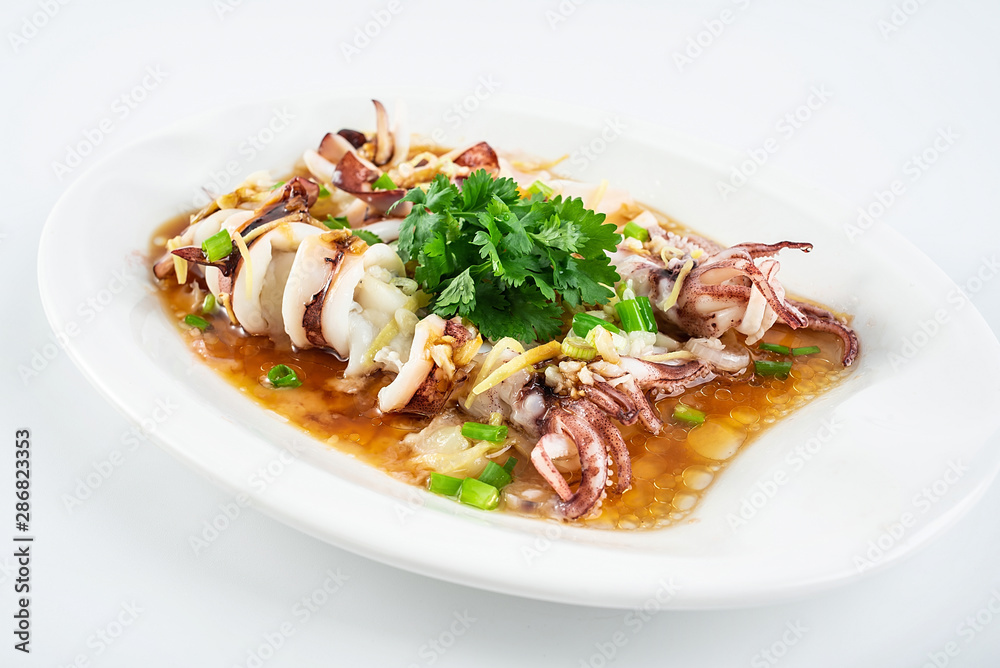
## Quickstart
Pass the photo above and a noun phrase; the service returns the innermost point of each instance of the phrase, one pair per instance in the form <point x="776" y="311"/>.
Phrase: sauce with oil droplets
<point x="670" y="470"/>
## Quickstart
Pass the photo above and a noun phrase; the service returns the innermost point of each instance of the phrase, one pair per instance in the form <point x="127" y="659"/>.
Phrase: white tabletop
<point x="115" y="579"/>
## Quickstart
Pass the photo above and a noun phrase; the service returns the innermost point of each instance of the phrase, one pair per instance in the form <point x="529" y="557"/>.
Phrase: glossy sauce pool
<point x="670" y="470"/>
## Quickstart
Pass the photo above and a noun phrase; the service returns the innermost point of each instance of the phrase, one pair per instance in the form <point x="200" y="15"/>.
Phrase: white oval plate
<point x="850" y="483"/>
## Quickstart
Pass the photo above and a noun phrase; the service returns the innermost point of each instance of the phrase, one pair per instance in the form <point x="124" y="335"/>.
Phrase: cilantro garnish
<point x="505" y="263"/>
<point x="339" y="223"/>
<point x="369" y="238"/>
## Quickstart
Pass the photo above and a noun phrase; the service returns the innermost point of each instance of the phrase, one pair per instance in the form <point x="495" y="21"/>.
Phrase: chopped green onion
<point x="767" y="368"/>
<point x="282" y="375"/>
<point x="277" y="185"/>
<point x="509" y="465"/>
<point x="688" y="414"/>
<point x="369" y="238"/>
<point x="323" y="192"/>
<point x="584" y="322"/>
<point x="478" y="494"/>
<point x="217" y="246"/>
<point x="578" y="348"/>
<point x="636" y="315"/>
<point x="195" y="321"/>
<point x="624" y="290"/>
<point x="635" y="231"/>
<point x="384" y="183"/>
<point x="444" y="484"/>
<point x="208" y="305"/>
<point x="495" y="475"/>
<point x="478" y="431"/>
<point x="539" y="188"/>
<point x="805" y="350"/>
<point x="646" y="309"/>
<point x="775" y="348"/>
<point x="339" y="223"/>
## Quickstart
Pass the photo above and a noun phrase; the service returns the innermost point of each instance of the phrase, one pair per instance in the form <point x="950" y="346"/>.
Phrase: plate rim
<point x="774" y="183"/>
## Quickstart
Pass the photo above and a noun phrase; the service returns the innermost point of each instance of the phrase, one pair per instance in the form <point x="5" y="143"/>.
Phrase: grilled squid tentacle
<point x="821" y="320"/>
<point x="593" y="462"/>
<point x="612" y="401"/>
<point x="584" y="424"/>
<point x="611" y="438"/>
<point x="716" y="294"/>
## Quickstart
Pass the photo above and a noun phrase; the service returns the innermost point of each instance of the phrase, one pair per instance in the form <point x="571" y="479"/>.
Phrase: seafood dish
<point x="470" y="321"/>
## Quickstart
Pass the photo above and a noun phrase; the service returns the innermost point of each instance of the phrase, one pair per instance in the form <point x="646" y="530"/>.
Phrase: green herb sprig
<point x="505" y="263"/>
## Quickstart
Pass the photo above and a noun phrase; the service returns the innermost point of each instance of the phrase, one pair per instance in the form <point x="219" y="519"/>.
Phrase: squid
<point x="705" y="290"/>
<point x="575" y="421"/>
<point x="439" y="354"/>
<point x="300" y="283"/>
<point x="582" y="423"/>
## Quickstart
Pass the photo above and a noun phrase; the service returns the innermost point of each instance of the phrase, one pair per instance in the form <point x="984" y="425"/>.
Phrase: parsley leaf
<point x="368" y="237"/>
<point x="510" y="265"/>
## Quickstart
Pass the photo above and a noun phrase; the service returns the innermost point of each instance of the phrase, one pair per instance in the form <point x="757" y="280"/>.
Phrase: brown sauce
<point x="670" y="470"/>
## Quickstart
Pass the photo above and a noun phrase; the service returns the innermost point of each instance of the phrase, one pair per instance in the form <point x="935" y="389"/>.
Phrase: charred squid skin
<point x="431" y="396"/>
<point x="435" y="385"/>
<point x="312" y="317"/>
<point x="480" y="156"/>
<point x="353" y="137"/>
<point x="821" y="320"/>
<point x="333" y="146"/>
<point x="355" y="176"/>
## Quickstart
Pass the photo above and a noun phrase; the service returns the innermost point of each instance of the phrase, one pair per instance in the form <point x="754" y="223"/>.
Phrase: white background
<point x="128" y="544"/>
